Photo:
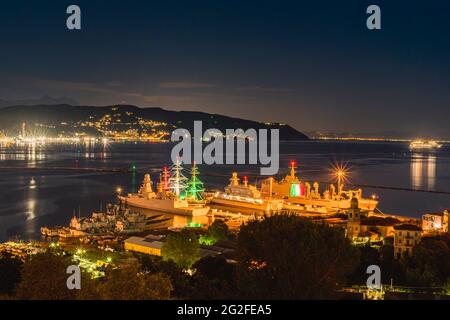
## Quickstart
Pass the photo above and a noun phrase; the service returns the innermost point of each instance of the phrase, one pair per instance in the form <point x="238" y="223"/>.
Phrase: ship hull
<point x="164" y="206"/>
<point x="264" y="207"/>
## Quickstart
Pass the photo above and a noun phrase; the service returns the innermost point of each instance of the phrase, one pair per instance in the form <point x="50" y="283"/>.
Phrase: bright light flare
<point x="340" y="172"/>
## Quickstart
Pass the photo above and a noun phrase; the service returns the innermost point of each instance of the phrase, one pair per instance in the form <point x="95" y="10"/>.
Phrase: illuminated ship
<point x="164" y="201"/>
<point x="298" y="195"/>
<point x="423" y="145"/>
<point x="246" y="196"/>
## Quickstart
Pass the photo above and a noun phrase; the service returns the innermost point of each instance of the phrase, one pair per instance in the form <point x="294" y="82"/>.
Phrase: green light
<point x="194" y="225"/>
<point x="206" y="240"/>
<point x="195" y="189"/>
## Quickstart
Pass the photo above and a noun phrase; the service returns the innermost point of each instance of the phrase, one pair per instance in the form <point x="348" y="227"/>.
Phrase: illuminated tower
<point x="234" y="181"/>
<point x="24" y="130"/>
<point x="195" y="189"/>
<point x="177" y="181"/>
<point x="146" y="187"/>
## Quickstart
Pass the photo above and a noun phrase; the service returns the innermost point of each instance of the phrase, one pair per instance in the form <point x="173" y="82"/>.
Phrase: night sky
<point x="312" y="64"/>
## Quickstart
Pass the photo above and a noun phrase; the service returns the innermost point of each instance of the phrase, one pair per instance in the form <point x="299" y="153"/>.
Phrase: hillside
<point x="67" y="119"/>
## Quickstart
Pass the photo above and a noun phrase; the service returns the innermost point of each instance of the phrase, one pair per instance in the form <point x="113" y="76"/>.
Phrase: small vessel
<point x="298" y="195"/>
<point x="246" y="196"/>
<point x="424" y="145"/>
<point x="165" y="201"/>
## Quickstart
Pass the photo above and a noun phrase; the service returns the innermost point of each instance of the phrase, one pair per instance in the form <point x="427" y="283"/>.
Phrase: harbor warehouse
<point x="148" y="245"/>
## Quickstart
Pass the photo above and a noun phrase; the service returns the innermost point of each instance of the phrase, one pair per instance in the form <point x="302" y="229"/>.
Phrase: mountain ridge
<point x="66" y="118"/>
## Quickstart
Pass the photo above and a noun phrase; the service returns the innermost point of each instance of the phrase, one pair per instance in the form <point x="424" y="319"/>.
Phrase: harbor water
<point x="46" y="185"/>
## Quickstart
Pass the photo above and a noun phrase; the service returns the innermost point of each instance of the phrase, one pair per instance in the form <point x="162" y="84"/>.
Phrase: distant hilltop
<point x="120" y="121"/>
<point x="44" y="100"/>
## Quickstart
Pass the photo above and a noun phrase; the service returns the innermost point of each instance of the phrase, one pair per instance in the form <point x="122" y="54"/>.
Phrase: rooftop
<point x="378" y="221"/>
<point x="408" y="227"/>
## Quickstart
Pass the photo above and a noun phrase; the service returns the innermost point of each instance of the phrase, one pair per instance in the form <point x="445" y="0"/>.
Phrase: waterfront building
<point x="436" y="222"/>
<point x="354" y="220"/>
<point x="149" y="245"/>
<point x="152" y="245"/>
<point x="406" y="236"/>
<point x="363" y="228"/>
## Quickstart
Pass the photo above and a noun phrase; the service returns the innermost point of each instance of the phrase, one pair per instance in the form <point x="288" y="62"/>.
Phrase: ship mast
<point x="165" y="179"/>
<point x="195" y="189"/>
<point x="293" y="167"/>
<point x="246" y="181"/>
<point x="177" y="181"/>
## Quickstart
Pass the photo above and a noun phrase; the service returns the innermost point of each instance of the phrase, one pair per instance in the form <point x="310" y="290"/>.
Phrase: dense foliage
<point x="287" y="257"/>
<point x="281" y="257"/>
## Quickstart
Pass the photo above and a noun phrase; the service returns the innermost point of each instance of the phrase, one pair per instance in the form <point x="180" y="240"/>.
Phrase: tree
<point x="214" y="279"/>
<point x="182" y="248"/>
<point x="429" y="265"/>
<point x="288" y="257"/>
<point x="446" y="286"/>
<point x="215" y="268"/>
<point x="368" y="256"/>
<point x="44" y="277"/>
<point x="127" y="283"/>
<point x="131" y="284"/>
<point x="179" y="279"/>
<point x="218" y="230"/>
<point x="9" y="274"/>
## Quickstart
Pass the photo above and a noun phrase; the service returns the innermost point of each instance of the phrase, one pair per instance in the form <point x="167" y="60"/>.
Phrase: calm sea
<point x="42" y="186"/>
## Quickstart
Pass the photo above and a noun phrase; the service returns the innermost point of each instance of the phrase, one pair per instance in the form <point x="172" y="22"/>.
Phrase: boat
<point x="165" y="201"/>
<point x="246" y="196"/>
<point x="424" y="145"/>
<point x="299" y="196"/>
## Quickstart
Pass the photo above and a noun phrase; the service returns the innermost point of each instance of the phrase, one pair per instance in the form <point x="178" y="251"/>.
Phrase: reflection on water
<point x="423" y="171"/>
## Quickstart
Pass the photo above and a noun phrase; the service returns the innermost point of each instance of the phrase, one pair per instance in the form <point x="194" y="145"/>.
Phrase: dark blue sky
<point x="312" y="64"/>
